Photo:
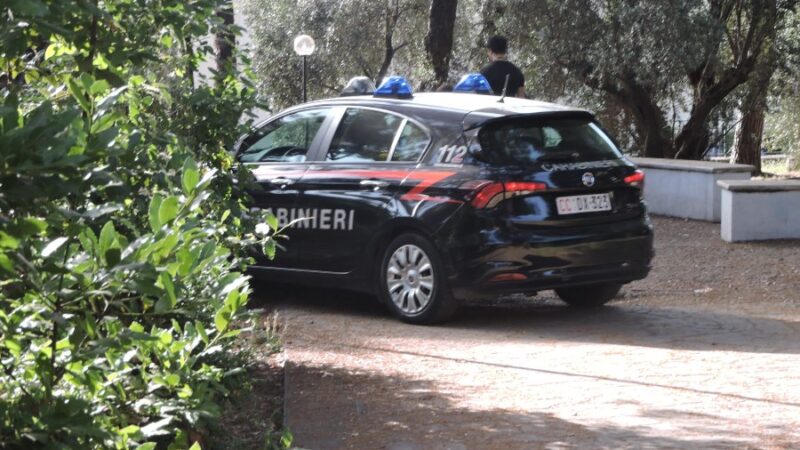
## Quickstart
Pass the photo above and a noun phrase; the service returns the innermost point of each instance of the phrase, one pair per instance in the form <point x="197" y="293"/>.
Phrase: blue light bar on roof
<point x="473" y="82"/>
<point x="394" y="86"/>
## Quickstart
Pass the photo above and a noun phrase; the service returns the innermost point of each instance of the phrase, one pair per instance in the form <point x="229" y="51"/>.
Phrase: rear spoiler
<point x="479" y="118"/>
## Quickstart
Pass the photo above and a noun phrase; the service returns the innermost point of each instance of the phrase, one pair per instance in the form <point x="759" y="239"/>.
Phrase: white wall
<point x="687" y="189"/>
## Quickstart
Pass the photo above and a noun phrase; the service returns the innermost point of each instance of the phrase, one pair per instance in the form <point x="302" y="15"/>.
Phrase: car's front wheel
<point x="589" y="296"/>
<point x="412" y="282"/>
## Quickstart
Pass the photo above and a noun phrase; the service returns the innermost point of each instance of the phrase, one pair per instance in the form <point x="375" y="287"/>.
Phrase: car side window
<point x="364" y="135"/>
<point x="284" y="140"/>
<point x="411" y="144"/>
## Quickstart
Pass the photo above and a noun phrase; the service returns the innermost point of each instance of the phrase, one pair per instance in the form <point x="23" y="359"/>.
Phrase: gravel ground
<point x="704" y="353"/>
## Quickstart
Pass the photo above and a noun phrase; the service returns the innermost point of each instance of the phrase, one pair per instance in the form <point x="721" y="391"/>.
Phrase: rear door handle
<point x="374" y="183"/>
<point x="281" y="181"/>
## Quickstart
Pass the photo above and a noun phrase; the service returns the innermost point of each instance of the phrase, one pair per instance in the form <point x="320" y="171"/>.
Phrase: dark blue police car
<point x="432" y="198"/>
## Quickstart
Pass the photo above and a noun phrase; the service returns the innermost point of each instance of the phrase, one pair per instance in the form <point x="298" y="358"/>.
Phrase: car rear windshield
<point x="529" y="140"/>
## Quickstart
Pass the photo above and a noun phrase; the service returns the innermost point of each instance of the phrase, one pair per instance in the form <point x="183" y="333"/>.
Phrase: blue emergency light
<point x="473" y="82"/>
<point x="394" y="86"/>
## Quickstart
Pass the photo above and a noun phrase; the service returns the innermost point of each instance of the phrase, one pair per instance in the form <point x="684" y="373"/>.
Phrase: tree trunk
<point x="751" y="129"/>
<point x="391" y="17"/>
<point x="748" y="138"/>
<point x="224" y="41"/>
<point x="439" y="41"/>
<point x="648" y="116"/>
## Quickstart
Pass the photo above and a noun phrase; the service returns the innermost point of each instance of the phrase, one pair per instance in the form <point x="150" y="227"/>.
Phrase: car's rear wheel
<point x="589" y="296"/>
<point x="412" y="282"/>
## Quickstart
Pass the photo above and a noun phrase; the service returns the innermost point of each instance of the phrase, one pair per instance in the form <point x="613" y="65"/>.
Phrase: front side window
<point x="286" y="139"/>
<point x="364" y="135"/>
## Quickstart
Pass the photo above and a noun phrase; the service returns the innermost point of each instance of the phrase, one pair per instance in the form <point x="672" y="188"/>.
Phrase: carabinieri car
<point x="429" y="199"/>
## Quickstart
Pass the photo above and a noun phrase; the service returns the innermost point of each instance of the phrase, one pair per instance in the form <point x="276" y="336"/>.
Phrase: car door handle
<point x="282" y="181"/>
<point x="374" y="183"/>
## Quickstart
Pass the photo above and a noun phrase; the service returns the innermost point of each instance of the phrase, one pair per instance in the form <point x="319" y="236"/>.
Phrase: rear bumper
<point x="506" y="261"/>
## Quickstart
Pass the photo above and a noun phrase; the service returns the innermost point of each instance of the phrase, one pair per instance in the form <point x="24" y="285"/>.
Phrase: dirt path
<point x="705" y="353"/>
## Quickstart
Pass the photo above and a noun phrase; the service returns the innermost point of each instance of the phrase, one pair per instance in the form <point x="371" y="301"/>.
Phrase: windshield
<point x="529" y="140"/>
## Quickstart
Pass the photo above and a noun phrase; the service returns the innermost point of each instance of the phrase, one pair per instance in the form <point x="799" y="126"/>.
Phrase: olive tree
<point x="353" y="38"/>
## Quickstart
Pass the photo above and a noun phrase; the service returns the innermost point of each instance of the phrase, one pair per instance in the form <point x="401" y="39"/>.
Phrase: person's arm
<point x="521" y="92"/>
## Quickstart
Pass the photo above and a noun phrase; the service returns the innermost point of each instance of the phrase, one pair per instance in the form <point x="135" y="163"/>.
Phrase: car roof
<point x="467" y="103"/>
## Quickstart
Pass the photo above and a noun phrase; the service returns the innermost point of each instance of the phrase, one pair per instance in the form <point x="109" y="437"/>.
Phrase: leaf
<point x="147" y="446"/>
<point x="166" y="41"/>
<point x="54" y="245"/>
<point x="29" y="226"/>
<point x="51" y="51"/>
<point x="130" y="429"/>
<point x="270" y="248"/>
<point x="221" y="319"/>
<point x="191" y="176"/>
<point x="166" y="281"/>
<point x="168" y="209"/>
<point x="78" y="94"/>
<point x="113" y="256"/>
<point x="201" y="330"/>
<point x="272" y="221"/>
<point x="286" y="439"/>
<point x="108" y="235"/>
<point x="185" y="392"/>
<point x="155" y="205"/>
<point x="88" y="240"/>
<point x="8" y="241"/>
<point x="6" y="264"/>
<point x="99" y="87"/>
<point x="13" y="347"/>
<point x="173" y="379"/>
<point x="195" y="446"/>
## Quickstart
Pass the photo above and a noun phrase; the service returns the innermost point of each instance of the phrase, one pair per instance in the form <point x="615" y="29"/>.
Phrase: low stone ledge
<point x="687" y="189"/>
<point x="691" y="165"/>
<point x="754" y="210"/>
<point x="759" y="185"/>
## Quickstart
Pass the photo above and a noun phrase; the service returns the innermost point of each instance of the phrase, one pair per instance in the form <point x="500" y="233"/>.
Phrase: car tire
<point x="412" y="282"/>
<point x="589" y="296"/>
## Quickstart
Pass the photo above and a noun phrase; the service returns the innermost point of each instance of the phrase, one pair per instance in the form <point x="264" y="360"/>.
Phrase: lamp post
<point x="304" y="46"/>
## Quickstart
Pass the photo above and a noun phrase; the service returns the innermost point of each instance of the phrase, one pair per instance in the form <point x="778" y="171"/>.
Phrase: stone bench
<point x="687" y="189"/>
<point x="760" y="209"/>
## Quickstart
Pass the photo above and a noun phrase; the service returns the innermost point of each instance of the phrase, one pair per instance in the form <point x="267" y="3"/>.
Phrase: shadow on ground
<point x="526" y="319"/>
<point x="412" y="415"/>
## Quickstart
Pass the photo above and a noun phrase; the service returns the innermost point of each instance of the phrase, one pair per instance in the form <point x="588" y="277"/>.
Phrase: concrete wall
<point x="687" y="189"/>
<point x="760" y="210"/>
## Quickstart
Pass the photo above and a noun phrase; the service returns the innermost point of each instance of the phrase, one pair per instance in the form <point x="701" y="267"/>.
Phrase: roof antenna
<point x="505" y="87"/>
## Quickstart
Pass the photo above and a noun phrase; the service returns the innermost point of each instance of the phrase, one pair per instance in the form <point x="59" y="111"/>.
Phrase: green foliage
<point x="668" y="77"/>
<point x="350" y="38"/>
<point x="782" y="129"/>
<point x="121" y="228"/>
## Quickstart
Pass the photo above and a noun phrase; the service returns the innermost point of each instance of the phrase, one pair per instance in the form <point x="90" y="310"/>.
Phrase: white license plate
<point x="577" y="204"/>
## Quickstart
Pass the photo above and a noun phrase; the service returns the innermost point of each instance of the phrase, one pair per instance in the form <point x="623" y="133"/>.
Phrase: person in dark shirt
<point x="497" y="70"/>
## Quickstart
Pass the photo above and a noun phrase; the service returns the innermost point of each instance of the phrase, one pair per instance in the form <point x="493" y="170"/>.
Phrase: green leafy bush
<point x="122" y="229"/>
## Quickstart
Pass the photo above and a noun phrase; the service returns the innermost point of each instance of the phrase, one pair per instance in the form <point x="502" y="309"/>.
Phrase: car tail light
<point x="489" y="194"/>
<point x="636" y="179"/>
